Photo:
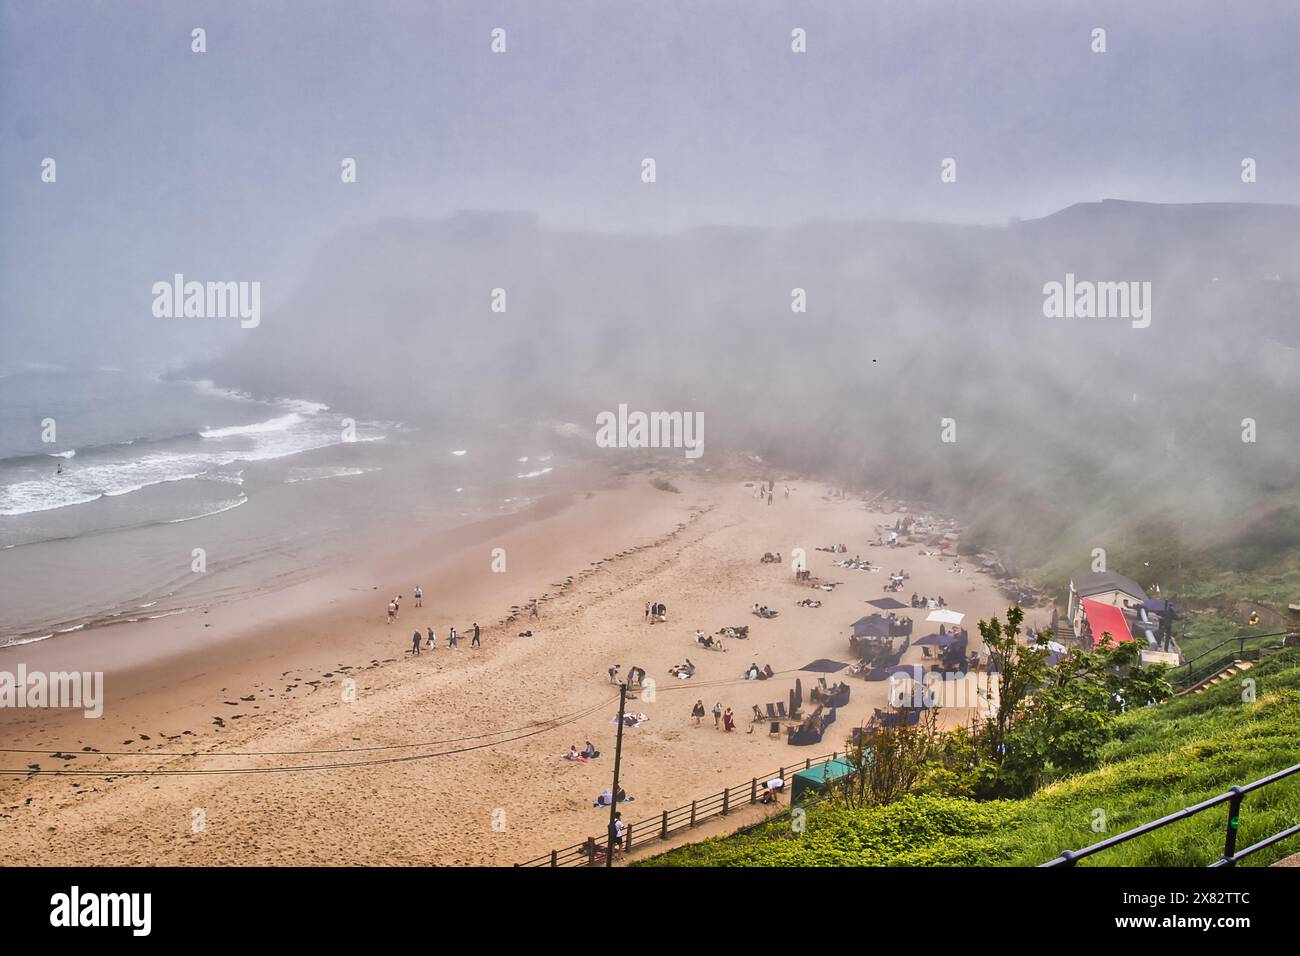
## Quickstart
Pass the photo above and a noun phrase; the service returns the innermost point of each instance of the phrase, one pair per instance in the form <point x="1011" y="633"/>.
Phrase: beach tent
<point x="945" y="616"/>
<point x="887" y="604"/>
<point x="818" y="779"/>
<point x="873" y="625"/>
<point x="823" y="666"/>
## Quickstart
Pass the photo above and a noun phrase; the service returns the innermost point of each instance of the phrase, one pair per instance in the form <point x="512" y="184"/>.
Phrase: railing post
<point x="807" y="764"/>
<point x="555" y="854"/>
<point x="663" y="827"/>
<point x="753" y="790"/>
<point x="726" y="795"/>
<point x="628" y="848"/>
<point x="591" y="853"/>
<point x="692" y="813"/>
<point x="1234" y="822"/>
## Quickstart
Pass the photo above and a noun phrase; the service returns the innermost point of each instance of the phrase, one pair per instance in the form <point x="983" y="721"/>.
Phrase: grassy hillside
<point x="1163" y="759"/>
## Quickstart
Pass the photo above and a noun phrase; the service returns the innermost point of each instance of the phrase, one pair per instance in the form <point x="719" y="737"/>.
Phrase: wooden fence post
<point x="692" y="813"/>
<point x="753" y="790"/>
<point x="663" y="830"/>
<point x="726" y="795"/>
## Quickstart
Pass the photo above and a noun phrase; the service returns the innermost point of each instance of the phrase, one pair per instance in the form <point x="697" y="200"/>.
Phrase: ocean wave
<point x="332" y="473"/>
<point x="18" y="641"/>
<point x="62" y="454"/>
<point x="205" y="386"/>
<point x="282" y="423"/>
<point x="459" y="453"/>
<point x="536" y="474"/>
<point x="228" y="506"/>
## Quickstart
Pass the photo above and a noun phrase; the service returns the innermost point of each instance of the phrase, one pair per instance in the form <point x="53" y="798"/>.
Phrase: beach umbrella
<point x="945" y="616"/>
<point x="823" y="666"/>
<point x="939" y="640"/>
<point x="887" y="604"/>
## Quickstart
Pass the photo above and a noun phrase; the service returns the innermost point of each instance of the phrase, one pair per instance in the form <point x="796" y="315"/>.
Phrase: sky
<point x="226" y="163"/>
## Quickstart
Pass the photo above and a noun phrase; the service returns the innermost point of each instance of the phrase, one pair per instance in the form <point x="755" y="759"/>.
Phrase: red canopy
<point x="1106" y="618"/>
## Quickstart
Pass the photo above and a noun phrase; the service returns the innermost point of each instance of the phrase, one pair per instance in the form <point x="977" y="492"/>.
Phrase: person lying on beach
<point x="574" y="755"/>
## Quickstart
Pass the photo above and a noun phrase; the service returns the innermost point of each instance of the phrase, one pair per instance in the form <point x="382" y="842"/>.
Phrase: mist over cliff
<point x="1059" y="430"/>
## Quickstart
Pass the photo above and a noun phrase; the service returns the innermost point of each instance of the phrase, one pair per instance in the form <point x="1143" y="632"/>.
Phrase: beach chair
<point x="771" y="712"/>
<point x="822" y="681"/>
<point x="780" y="709"/>
<point x="774" y="729"/>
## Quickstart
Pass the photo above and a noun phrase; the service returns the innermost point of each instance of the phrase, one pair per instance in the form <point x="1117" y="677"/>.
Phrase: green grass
<point x="1162" y="759"/>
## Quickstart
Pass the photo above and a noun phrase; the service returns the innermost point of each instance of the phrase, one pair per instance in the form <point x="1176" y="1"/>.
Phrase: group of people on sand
<point x="430" y="640"/>
<point x="582" y="756"/>
<point x="722" y="719"/>
<point x="932" y="603"/>
<point x="656" y="612"/>
<point x="453" y="639"/>
<point x="635" y="675"/>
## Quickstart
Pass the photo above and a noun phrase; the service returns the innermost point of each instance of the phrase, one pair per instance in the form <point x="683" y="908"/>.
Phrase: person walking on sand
<point x="433" y="640"/>
<point x="475" y="642"/>
<point x="728" y="721"/>
<point x="392" y="611"/>
<point x="452" y="639"/>
<point x="647" y="610"/>
<point x="698" y="712"/>
<point x="419" y="596"/>
<point x="415" y="644"/>
<point x="613" y="673"/>
<point x="533" y="611"/>
<point x="717" y="713"/>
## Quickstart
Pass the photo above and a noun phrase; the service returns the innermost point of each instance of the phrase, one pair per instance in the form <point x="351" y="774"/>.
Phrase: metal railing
<point x="1200" y="667"/>
<point x="668" y="822"/>
<point x="1231" y="854"/>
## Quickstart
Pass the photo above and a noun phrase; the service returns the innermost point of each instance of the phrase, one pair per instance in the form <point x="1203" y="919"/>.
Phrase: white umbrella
<point x="945" y="616"/>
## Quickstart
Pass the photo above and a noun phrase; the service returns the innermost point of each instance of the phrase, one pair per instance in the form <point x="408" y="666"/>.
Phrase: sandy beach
<point x="453" y="757"/>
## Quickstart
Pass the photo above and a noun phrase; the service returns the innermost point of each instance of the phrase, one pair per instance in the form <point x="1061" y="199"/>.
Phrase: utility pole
<point x="618" y="756"/>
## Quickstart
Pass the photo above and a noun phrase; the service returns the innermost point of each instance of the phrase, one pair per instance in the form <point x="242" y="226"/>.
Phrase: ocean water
<point x="101" y="524"/>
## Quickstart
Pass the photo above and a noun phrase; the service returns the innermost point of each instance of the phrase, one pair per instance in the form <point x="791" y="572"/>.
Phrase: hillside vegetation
<point x="1162" y="759"/>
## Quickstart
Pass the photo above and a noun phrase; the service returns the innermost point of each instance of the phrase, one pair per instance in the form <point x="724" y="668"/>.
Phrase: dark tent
<point x="887" y="604"/>
<point x="823" y="666"/>
<point x="873" y="625"/>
